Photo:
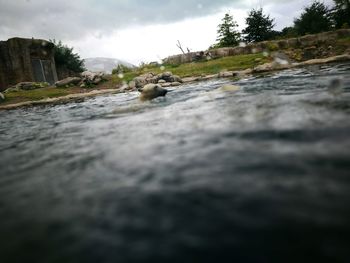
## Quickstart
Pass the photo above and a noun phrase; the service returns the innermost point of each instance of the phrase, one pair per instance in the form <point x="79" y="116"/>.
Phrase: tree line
<point x="315" y="18"/>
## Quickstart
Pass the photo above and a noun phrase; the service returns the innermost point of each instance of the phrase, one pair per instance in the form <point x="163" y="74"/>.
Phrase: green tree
<point x="64" y="56"/>
<point x="259" y="26"/>
<point x="227" y="32"/>
<point x="314" y="19"/>
<point x="341" y="13"/>
<point x="288" y="32"/>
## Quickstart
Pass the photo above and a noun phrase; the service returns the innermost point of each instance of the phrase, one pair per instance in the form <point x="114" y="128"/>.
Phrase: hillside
<point x="104" y="64"/>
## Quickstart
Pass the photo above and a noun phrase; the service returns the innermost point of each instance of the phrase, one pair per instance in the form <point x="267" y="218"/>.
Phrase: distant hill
<point x="104" y="64"/>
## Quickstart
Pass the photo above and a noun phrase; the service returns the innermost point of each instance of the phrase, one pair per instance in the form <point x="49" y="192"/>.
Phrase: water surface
<point x="256" y="175"/>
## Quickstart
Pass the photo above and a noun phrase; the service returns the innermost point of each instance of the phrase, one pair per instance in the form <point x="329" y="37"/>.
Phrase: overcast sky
<point x="133" y="30"/>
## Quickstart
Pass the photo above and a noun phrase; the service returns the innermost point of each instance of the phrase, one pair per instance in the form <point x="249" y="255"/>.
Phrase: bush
<point x="64" y="57"/>
<point x="121" y="69"/>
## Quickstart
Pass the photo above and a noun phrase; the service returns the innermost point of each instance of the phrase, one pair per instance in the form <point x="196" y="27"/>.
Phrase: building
<point x="23" y="60"/>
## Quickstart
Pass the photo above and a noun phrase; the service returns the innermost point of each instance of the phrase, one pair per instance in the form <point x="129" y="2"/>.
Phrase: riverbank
<point x="235" y="67"/>
<point x="76" y="97"/>
<point x="61" y="96"/>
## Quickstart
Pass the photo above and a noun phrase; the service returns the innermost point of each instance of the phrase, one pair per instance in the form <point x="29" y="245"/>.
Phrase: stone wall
<point x="327" y="38"/>
<point x="26" y="60"/>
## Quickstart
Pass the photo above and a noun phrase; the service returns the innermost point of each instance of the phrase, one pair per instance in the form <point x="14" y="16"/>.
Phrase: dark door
<point x="42" y="70"/>
<point x="48" y="74"/>
<point x="38" y="70"/>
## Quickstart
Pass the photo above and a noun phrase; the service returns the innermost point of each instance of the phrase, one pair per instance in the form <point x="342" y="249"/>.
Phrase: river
<point x="260" y="174"/>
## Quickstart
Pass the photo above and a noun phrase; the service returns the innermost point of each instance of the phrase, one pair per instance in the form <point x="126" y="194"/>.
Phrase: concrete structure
<point x="26" y="60"/>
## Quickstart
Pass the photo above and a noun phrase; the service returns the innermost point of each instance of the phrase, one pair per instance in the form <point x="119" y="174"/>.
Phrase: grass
<point x="194" y="69"/>
<point x="33" y="95"/>
<point x="214" y="66"/>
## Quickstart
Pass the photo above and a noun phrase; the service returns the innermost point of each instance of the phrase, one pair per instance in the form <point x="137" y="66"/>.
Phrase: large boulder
<point x="70" y="81"/>
<point x="27" y="86"/>
<point x="168" y="77"/>
<point x="150" y="78"/>
<point x="92" y="78"/>
<point x="145" y="79"/>
<point x="152" y="91"/>
<point x="31" y="85"/>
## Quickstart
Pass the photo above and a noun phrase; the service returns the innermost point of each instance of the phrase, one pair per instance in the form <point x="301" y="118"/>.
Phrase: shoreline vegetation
<point x="271" y="58"/>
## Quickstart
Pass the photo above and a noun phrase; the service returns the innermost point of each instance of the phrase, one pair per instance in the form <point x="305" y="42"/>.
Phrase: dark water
<point x="257" y="175"/>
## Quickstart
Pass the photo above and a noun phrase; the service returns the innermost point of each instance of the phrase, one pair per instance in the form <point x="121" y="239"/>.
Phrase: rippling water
<point x="256" y="175"/>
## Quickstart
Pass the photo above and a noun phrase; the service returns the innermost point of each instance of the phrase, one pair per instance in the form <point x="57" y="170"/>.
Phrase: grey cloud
<point x="72" y="19"/>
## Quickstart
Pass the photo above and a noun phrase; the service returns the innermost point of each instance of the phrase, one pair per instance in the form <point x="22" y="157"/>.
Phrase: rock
<point x="247" y="71"/>
<point x="13" y="89"/>
<point x="165" y="85"/>
<point x="225" y="74"/>
<point x="91" y="75"/>
<point x="150" y="78"/>
<point x="152" y="91"/>
<point x="175" y="84"/>
<point x="208" y="77"/>
<point x="2" y="97"/>
<point x="97" y="80"/>
<point x="271" y="67"/>
<point x="68" y="81"/>
<point x="31" y="85"/>
<point x="27" y="86"/>
<point x="144" y="79"/>
<point x="132" y="85"/>
<point x="166" y="76"/>
<point x="176" y="78"/>
<point x="153" y="80"/>
<point x="339" y="58"/>
<point x="92" y="78"/>
<point x="140" y="82"/>
<point x="191" y="79"/>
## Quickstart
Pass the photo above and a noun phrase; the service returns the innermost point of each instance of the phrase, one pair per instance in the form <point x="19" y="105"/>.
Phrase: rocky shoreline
<point x="79" y="97"/>
<point x="167" y="80"/>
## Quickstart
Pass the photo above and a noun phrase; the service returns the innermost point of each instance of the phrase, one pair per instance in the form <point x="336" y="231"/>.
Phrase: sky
<point x="134" y="30"/>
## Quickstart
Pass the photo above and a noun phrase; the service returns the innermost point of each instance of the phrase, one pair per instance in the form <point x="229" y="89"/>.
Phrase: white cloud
<point x="133" y="30"/>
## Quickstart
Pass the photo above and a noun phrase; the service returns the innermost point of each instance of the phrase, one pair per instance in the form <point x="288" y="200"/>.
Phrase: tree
<point x="259" y="26"/>
<point x="65" y="57"/>
<point x="341" y="13"/>
<point x="288" y="32"/>
<point x="227" y="33"/>
<point x="315" y="19"/>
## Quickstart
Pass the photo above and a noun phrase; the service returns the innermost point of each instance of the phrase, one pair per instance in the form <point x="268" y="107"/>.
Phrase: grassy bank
<point x="184" y="70"/>
<point x="40" y="94"/>
<point x="194" y="69"/>
<point x="33" y="95"/>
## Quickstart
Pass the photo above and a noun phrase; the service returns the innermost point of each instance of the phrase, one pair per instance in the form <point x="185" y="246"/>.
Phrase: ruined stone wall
<point x="300" y="42"/>
<point x="16" y="57"/>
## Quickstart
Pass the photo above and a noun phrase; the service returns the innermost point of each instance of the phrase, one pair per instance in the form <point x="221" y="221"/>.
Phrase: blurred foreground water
<point x="205" y="175"/>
